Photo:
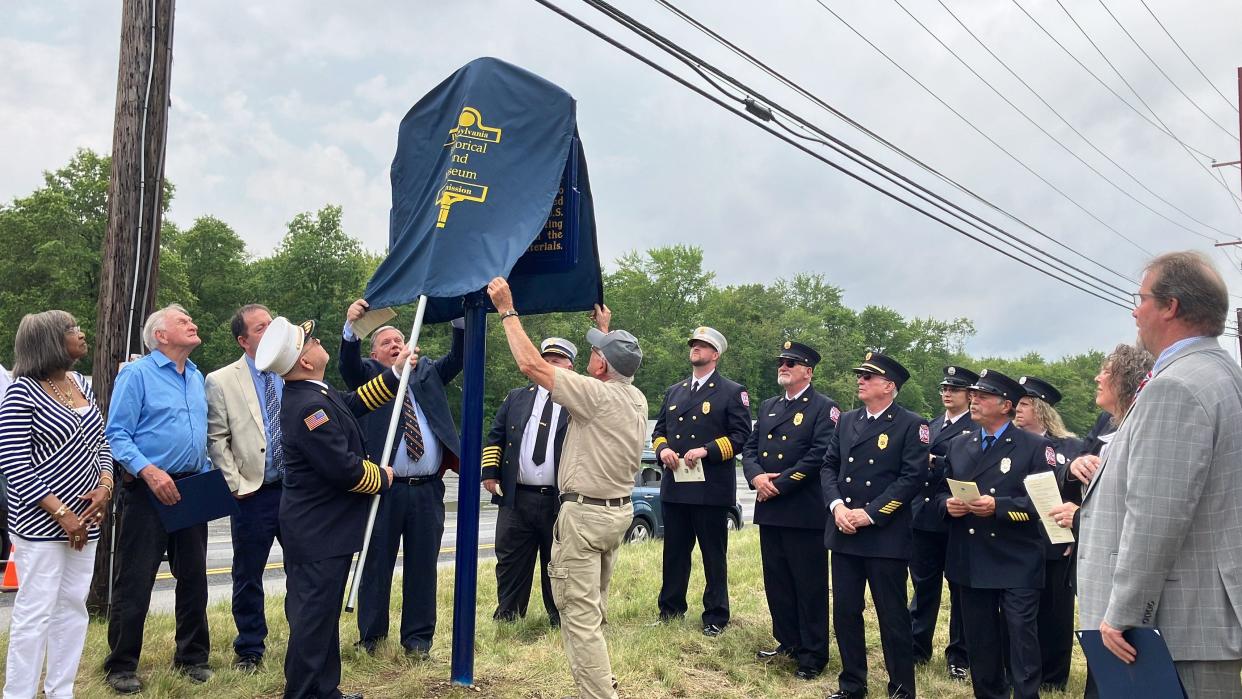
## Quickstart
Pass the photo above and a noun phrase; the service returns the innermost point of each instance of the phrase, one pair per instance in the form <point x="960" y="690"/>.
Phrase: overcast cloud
<point x="284" y="106"/>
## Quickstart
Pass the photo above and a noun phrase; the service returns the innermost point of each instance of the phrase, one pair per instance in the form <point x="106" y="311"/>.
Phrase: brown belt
<point x="602" y="502"/>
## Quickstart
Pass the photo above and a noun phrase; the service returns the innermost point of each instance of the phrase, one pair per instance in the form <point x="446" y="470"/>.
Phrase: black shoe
<point x="555" y="622"/>
<point x="806" y="673"/>
<point x="959" y="673"/>
<point x="368" y="644"/>
<point x="777" y="652"/>
<point x="842" y="694"/>
<point x="197" y="674"/>
<point x="418" y="654"/>
<point x="355" y="695"/>
<point x="124" y="682"/>
<point x="248" y="663"/>
<point x="667" y="619"/>
<point x="712" y="631"/>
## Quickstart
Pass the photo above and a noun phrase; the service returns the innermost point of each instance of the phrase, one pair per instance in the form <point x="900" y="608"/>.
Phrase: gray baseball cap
<point x="620" y="349"/>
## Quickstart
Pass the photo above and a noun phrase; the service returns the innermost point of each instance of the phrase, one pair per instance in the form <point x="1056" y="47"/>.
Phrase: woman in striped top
<point x="59" y="471"/>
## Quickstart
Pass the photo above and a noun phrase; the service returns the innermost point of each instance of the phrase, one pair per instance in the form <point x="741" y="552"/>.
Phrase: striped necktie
<point x="271" y="406"/>
<point x="409" y="425"/>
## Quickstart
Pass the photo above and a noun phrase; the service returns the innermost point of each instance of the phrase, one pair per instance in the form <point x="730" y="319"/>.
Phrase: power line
<point x="1127" y="82"/>
<point x="1188" y="58"/>
<point x="979" y="131"/>
<point x="750" y="116"/>
<point x="1177" y="87"/>
<point x="1044" y="131"/>
<point x="877" y="137"/>
<point x="1067" y="123"/>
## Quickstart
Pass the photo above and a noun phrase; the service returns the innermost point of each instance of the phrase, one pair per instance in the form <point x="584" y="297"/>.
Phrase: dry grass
<point x="525" y="660"/>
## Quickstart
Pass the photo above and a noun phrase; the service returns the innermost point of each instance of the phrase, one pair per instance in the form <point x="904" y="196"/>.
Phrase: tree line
<point x="55" y="238"/>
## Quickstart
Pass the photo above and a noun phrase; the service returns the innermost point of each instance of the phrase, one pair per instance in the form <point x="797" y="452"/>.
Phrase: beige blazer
<point x="236" y="440"/>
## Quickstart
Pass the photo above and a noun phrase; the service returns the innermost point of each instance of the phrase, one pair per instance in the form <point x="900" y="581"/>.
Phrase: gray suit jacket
<point x="1161" y="523"/>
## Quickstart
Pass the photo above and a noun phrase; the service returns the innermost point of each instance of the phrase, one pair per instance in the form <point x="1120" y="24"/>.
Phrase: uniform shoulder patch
<point x="745" y="398"/>
<point x="835" y="414"/>
<point x="1050" y="455"/>
<point x="924" y="434"/>
<point x="316" y="419"/>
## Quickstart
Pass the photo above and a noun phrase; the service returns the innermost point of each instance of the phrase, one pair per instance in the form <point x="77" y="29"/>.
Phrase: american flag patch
<point x="317" y="419"/>
<point x="745" y="398"/>
<point x="834" y="414"/>
<point x="924" y="434"/>
<point x="1051" y="455"/>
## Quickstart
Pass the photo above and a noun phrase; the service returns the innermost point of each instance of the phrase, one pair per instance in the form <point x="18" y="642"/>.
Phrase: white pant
<point x="49" y="616"/>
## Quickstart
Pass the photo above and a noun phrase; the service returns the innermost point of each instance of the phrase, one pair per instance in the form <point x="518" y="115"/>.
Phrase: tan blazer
<point x="236" y="440"/>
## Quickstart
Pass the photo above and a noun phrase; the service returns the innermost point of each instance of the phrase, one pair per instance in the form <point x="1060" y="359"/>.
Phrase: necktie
<point x="409" y="425"/>
<point x="988" y="440"/>
<point x="870" y="419"/>
<point x="1142" y="384"/>
<point x="694" y="386"/>
<point x="272" y="409"/>
<point x="541" y="437"/>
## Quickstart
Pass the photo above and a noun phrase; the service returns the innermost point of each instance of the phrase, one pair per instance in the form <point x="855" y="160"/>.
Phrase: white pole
<point x="355" y="579"/>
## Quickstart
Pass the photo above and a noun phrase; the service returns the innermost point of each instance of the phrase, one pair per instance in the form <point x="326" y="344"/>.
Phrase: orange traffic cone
<point x="10" y="574"/>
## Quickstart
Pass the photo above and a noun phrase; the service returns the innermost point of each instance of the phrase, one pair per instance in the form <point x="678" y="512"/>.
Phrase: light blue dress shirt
<point x="159" y="416"/>
<point x="429" y="464"/>
<point x="984" y="433"/>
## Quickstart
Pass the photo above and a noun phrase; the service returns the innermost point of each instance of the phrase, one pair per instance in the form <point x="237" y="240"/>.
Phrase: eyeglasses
<point x="786" y="362"/>
<point x="951" y="389"/>
<point x="1138" y="296"/>
<point x="866" y="377"/>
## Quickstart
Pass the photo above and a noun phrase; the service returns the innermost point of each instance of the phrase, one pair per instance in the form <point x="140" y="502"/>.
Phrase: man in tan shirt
<point x="602" y="452"/>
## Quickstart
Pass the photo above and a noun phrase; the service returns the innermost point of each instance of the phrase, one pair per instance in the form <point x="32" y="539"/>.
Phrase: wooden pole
<point x="130" y="267"/>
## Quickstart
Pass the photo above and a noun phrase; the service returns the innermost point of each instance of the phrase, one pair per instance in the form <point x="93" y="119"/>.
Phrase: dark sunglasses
<point x="786" y="362"/>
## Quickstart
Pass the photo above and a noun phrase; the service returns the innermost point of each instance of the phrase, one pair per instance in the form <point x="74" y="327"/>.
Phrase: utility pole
<point x="130" y="268"/>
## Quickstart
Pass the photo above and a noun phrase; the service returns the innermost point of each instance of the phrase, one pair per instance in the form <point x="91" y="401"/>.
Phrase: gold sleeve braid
<point x="370" y="481"/>
<point x="725" y="447"/>
<point x="491" y="456"/>
<point x="375" y="393"/>
<point x="655" y="446"/>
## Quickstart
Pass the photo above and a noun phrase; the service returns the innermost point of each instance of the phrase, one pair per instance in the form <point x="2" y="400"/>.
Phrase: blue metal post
<point x="465" y="585"/>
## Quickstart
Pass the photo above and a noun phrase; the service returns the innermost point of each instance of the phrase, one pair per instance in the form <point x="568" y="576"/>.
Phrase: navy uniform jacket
<point x="791" y="441"/>
<point x="328" y="480"/>
<point x="427" y="380"/>
<point x="716" y="418"/>
<point x="1005" y="550"/>
<point x="502" y="452"/>
<point x="1066" y="450"/>
<point x="877" y="466"/>
<point x="927" y="517"/>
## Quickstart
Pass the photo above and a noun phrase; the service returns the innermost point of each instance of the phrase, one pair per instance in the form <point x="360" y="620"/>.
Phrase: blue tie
<point x="987" y="441"/>
<point x="272" y="408"/>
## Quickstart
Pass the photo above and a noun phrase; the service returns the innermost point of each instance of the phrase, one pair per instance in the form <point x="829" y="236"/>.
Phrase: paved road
<point x="220" y="551"/>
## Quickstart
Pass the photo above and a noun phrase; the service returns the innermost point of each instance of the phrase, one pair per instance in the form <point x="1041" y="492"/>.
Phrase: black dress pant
<point x="1000" y="633"/>
<point x="795" y="580"/>
<point x="141" y="544"/>
<point x="413" y="513"/>
<point x="524" y="531"/>
<point x="314" y="593"/>
<point x="254" y="528"/>
<point x="886" y="577"/>
<point x="683" y="526"/>
<point x="927" y="575"/>
<point x="1056" y="623"/>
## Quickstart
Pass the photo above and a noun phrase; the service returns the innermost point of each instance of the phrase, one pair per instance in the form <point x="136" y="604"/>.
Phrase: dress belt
<point x="414" y="480"/>
<point x="602" y="502"/>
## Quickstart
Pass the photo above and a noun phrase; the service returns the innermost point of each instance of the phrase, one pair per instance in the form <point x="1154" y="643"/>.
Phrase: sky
<point x="285" y="106"/>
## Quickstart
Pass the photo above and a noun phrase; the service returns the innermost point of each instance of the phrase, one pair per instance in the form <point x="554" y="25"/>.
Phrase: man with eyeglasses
<point x="996" y="552"/>
<point x="873" y="469"/>
<point x="703" y="423"/>
<point x="931" y="533"/>
<point x="782" y="459"/>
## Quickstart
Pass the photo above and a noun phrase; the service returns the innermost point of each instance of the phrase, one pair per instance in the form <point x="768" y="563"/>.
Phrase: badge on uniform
<point x="317" y="419"/>
<point x="1006" y="464"/>
<point x="835" y="414"/>
<point x="797" y="419"/>
<point x="882" y="442"/>
<point x="707" y="407"/>
<point x="1050" y="455"/>
<point x="924" y="434"/>
<point x="1060" y="458"/>
<point x="745" y="398"/>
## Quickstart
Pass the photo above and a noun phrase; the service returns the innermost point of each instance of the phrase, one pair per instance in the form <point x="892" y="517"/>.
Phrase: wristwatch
<point x="509" y="313"/>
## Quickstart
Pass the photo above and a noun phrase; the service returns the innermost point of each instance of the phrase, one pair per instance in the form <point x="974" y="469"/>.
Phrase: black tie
<point x="541" y="438"/>
<point x="694" y="386"/>
<point x="870" y="419"/>
<point x="987" y="441"/>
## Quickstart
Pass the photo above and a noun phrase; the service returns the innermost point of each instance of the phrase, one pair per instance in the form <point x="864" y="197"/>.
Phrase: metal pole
<point x="355" y="580"/>
<point x="465" y="585"/>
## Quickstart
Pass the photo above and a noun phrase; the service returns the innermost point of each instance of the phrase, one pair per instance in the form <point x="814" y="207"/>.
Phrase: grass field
<point x="525" y="660"/>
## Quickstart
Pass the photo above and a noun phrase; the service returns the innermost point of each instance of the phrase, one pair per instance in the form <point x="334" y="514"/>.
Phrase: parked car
<point x="648" y="515"/>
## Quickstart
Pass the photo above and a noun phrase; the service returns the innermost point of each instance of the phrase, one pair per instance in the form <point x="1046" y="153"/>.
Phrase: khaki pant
<point x="584" y="548"/>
